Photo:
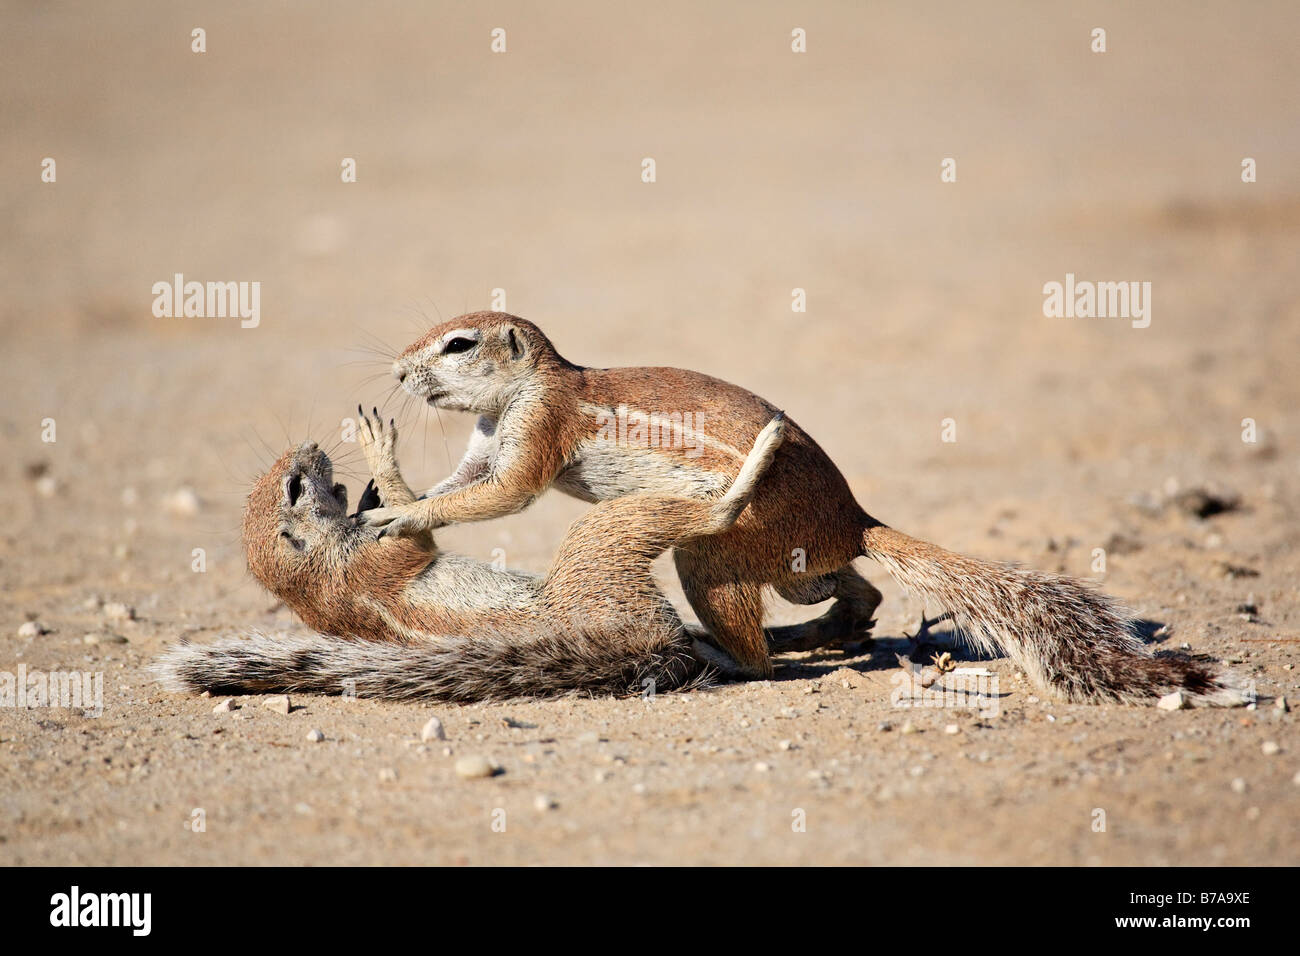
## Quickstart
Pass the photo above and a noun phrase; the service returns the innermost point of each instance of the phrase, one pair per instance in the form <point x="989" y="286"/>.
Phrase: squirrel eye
<point x="458" y="344"/>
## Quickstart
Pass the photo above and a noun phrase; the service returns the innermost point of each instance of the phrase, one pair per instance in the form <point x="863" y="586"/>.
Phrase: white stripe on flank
<point x="700" y="438"/>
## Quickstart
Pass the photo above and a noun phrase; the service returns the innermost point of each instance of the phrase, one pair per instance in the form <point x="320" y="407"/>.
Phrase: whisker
<point x="283" y="427"/>
<point x="381" y="361"/>
<point x="311" y="415"/>
<point x="272" y="454"/>
<point x="417" y="318"/>
<point x="446" y="446"/>
<point x="377" y="346"/>
<point x="424" y="437"/>
<point x="435" y="308"/>
<point x="371" y="379"/>
<point x="388" y="396"/>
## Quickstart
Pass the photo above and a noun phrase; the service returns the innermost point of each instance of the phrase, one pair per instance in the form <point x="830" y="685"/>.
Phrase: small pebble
<point x="31" y="629"/>
<point x="1175" y="701"/>
<point x="117" y="611"/>
<point x="884" y="727"/>
<point x="474" y="766"/>
<point x="104" y="637"/>
<point x="280" y="704"/>
<point x="1238" y="785"/>
<point x="952" y="729"/>
<point x="786" y="745"/>
<point x="315" y="736"/>
<point x="225" y="707"/>
<point x="47" y="487"/>
<point x="433" y="730"/>
<point x="542" y="803"/>
<point x="1270" y="748"/>
<point x="1281" y="704"/>
<point x="387" y="775"/>
<point x="183" y="502"/>
<point x="762" y="767"/>
<point x="908" y="728"/>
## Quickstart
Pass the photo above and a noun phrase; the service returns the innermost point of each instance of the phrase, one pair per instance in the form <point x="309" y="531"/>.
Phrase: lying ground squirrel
<point x="548" y="422"/>
<point x="408" y="622"/>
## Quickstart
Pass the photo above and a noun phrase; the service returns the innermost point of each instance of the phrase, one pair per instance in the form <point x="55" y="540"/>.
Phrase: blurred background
<point x="775" y="171"/>
<point x="521" y="171"/>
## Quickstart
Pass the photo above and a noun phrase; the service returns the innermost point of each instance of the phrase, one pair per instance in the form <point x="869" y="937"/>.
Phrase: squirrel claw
<point x="923" y="631"/>
<point x="378" y="517"/>
<point x="392" y="522"/>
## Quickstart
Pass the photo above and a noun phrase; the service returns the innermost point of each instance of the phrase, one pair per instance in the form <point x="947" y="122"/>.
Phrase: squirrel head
<point x="305" y="548"/>
<point x="296" y="524"/>
<point x="476" y="362"/>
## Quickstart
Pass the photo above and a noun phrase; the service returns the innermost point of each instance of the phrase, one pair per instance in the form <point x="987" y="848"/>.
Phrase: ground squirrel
<point x="400" y="620"/>
<point x="599" y="434"/>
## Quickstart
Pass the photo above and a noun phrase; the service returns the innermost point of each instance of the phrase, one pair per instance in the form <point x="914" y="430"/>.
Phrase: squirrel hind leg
<point x="730" y="610"/>
<point x="850" y="618"/>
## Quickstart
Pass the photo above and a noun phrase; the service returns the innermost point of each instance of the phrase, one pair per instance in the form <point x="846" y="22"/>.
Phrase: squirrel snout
<point x="399" y="371"/>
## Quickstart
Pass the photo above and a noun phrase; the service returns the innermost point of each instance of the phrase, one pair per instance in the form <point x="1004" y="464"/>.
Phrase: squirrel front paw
<point x="399" y="522"/>
<point x="378" y="442"/>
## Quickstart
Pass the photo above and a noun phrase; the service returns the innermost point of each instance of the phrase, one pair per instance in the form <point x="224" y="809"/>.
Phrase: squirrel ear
<point x="515" y="341"/>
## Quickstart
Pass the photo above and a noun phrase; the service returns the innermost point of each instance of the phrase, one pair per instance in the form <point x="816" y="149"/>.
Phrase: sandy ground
<point x="774" y="171"/>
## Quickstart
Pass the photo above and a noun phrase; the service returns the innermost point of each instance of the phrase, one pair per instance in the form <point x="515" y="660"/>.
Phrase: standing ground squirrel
<point x="409" y="622"/>
<point x="599" y="434"/>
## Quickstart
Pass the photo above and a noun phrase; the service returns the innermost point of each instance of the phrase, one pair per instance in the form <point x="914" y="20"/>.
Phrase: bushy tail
<point x="486" y="667"/>
<point x="1067" y="637"/>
